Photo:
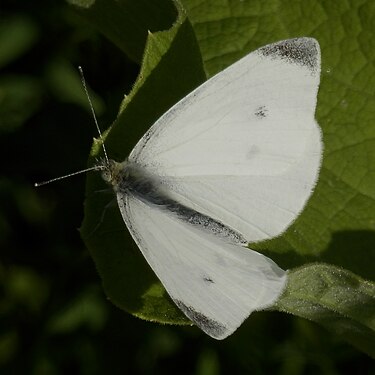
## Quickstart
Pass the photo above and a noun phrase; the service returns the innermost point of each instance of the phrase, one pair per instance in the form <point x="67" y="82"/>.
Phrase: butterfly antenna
<point x="93" y="112"/>
<point x="95" y="168"/>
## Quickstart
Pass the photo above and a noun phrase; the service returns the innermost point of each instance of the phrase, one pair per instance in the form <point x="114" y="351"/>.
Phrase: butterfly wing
<point x="244" y="148"/>
<point x="216" y="284"/>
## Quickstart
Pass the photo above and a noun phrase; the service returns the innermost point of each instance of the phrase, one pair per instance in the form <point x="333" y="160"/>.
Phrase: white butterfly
<point x="233" y="162"/>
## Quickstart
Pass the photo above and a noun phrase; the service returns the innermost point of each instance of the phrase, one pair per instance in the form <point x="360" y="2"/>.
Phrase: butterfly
<point x="232" y="163"/>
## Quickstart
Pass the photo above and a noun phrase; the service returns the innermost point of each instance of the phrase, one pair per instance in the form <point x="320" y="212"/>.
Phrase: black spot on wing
<point x="208" y="279"/>
<point x="261" y="112"/>
<point x="210" y="326"/>
<point x="301" y="51"/>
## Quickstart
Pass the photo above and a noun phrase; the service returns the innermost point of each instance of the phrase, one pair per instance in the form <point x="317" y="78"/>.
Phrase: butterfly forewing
<point x="244" y="148"/>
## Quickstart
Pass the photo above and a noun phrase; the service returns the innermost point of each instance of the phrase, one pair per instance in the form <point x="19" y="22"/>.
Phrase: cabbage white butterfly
<point x="231" y="163"/>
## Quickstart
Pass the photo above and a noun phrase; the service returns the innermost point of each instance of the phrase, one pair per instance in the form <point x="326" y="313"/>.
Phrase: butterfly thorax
<point x="112" y="172"/>
<point x="128" y="177"/>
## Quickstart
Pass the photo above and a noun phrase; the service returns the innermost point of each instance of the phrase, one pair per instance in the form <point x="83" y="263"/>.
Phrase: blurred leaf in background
<point x="55" y="318"/>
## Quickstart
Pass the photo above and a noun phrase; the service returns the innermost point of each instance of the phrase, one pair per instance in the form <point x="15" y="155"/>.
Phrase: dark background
<point x="55" y="318"/>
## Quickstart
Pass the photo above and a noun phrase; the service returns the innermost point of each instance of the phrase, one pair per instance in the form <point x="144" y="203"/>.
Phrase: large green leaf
<point x="335" y="298"/>
<point x="337" y="225"/>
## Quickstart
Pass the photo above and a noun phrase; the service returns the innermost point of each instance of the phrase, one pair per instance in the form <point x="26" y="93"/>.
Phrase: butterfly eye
<point x="106" y="175"/>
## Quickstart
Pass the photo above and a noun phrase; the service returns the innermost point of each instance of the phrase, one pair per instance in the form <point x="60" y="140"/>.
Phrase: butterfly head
<point x="112" y="172"/>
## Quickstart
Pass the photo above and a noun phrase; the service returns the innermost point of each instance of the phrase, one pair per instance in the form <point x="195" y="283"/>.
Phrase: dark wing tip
<point x="213" y="328"/>
<point x="302" y="51"/>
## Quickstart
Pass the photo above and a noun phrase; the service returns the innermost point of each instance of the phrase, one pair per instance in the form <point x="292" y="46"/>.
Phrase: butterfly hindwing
<point x="216" y="283"/>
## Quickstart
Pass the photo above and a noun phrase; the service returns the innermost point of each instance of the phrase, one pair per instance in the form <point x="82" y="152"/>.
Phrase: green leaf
<point x="335" y="298"/>
<point x="337" y="225"/>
